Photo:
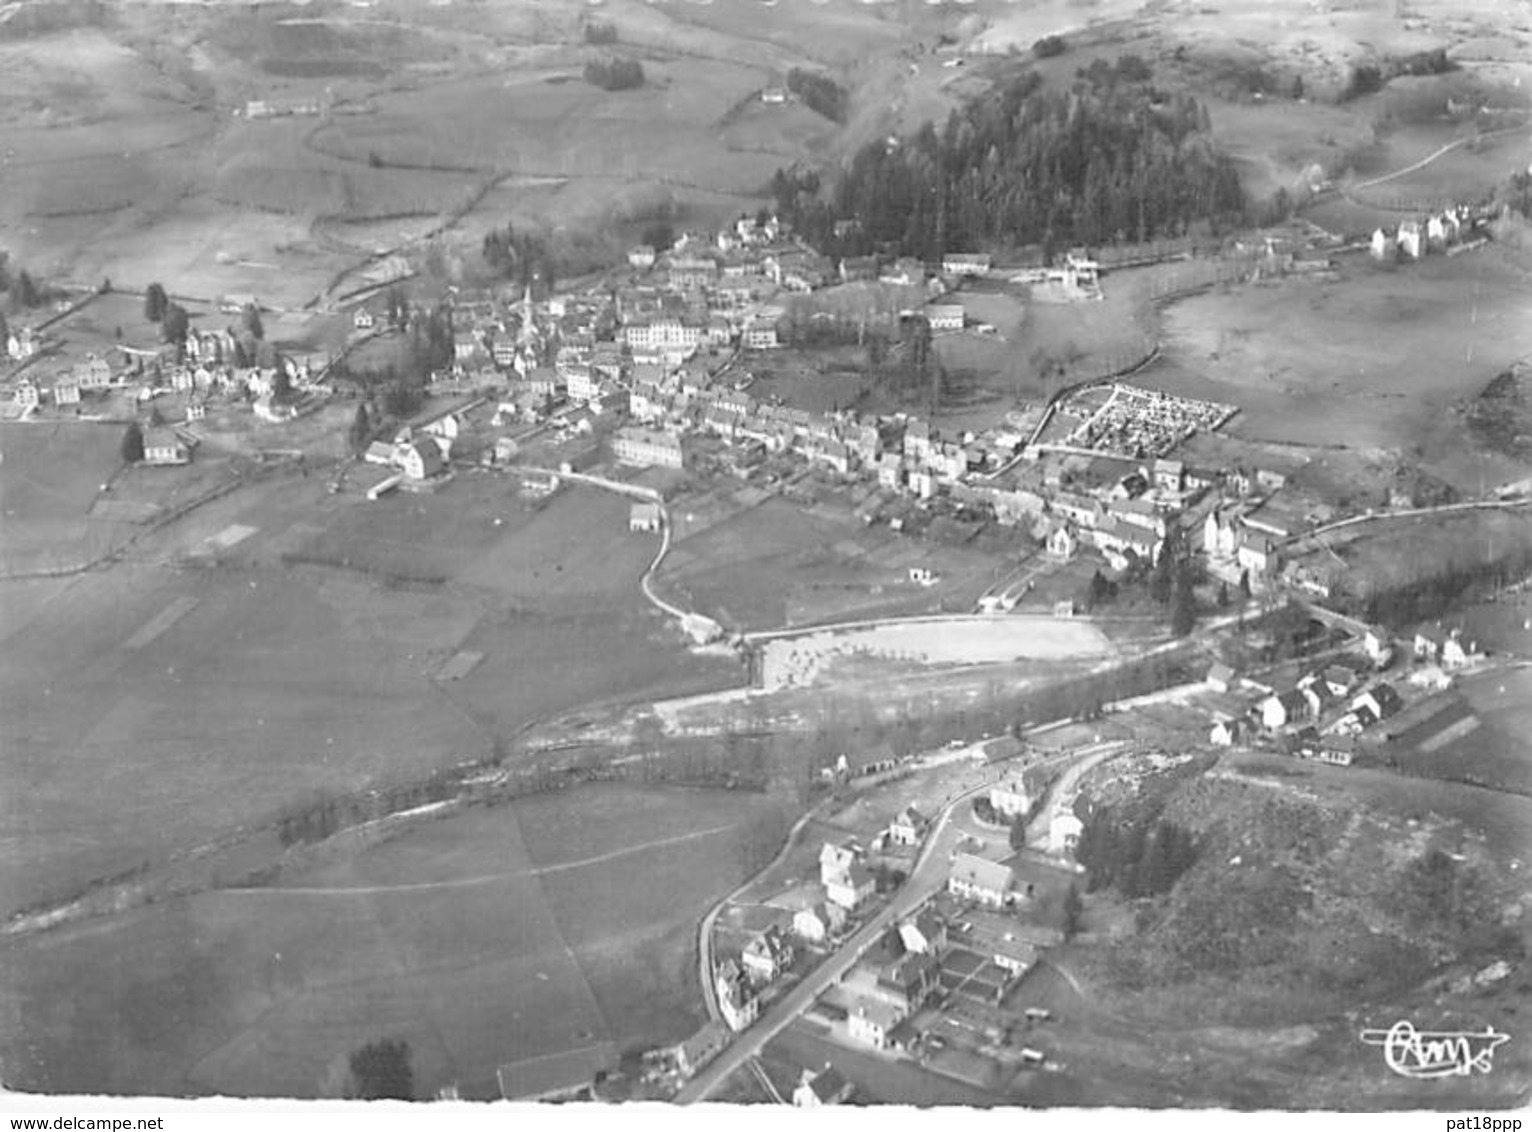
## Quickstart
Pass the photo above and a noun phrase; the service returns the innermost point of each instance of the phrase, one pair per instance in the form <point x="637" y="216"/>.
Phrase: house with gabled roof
<point x="872" y="1022"/>
<point x="1381" y="700"/>
<point x="908" y="827"/>
<point x="1221" y="677"/>
<point x="852" y="888"/>
<point x="737" y="1000"/>
<point x="699" y="1049"/>
<point x="826" y="1087"/>
<point x="836" y="857"/>
<point x="819" y="922"/>
<point x="767" y="955"/>
<point x="1283" y="708"/>
<point x="985" y="882"/>
<point x="925" y="933"/>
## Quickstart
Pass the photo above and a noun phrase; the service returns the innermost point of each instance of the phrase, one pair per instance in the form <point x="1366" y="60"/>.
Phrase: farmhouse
<point x="421" y="459"/>
<point x="27" y="395"/>
<point x="925" y="934"/>
<point x="1411" y="239"/>
<point x="644" y="517"/>
<point x="1383" y="246"/>
<point x="66" y="391"/>
<point x="641" y="256"/>
<point x="162" y="448"/>
<point x="985" y="882"/>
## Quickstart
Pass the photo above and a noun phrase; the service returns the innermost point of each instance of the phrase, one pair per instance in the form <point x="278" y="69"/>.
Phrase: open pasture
<point x="776" y="565"/>
<point x="525" y="123"/>
<point x="50" y="478"/>
<point x="552" y="924"/>
<point x="264" y="693"/>
<point x="1365" y="360"/>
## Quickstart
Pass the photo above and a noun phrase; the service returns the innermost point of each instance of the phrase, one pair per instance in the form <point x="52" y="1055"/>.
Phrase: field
<point x="1371" y="360"/>
<point x="775" y="565"/>
<point x="1495" y="752"/>
<point x="50" y="478"/>
<point x="505" y="934"/>
<point x="210" y="721"/>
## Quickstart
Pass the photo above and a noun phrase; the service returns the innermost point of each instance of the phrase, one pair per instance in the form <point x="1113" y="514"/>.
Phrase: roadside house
<point x="908" y="827"/>
<point x="985" y="882"/>
<point x="825" y="1087"/>
<point x="819" y="923"/>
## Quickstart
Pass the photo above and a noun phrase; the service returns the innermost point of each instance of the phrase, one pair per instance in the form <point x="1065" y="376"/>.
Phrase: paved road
<point x="1062" y="793"/>
<point x="928" y="877"/>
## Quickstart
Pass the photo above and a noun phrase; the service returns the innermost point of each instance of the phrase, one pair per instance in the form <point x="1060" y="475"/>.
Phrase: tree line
<point x="819" y="93"/>
<point x="1111" y="160"/>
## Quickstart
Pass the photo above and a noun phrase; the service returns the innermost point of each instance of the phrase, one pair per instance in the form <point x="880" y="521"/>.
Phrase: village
<point x="914" y="942"/>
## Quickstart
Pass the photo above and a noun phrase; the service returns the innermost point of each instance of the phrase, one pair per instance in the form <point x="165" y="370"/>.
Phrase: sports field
<point x="557" y="923"/>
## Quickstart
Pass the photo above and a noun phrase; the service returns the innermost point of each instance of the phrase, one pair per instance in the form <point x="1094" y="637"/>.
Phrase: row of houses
<point x="1414" y="238"/>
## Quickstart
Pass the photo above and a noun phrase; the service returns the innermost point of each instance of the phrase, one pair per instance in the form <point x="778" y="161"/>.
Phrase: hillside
<point x="1322" y="900"/>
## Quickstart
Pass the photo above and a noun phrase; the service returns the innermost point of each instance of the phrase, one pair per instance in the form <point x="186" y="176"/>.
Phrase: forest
<point x="1111" y="160"/>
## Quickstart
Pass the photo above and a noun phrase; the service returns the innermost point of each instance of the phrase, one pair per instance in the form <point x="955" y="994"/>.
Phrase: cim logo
<point x="1429" y="1054"/>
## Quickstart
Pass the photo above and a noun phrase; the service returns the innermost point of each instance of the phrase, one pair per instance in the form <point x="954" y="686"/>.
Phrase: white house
<point x="1284" y="708"/>
<point x="1383" y="246"/>
<point x="1411" y="239"/>
<point x="908" y="827"/>
<point x="1010" y="797"/>
<point x="1061" y="543"/>
<point x="819" y="923"/>
<point x="1064" y="830"/>
<point x="945" y="316"/>
<point x="872" y="1022"/>
<point x="767" y="955"/>
<point x="421" y="459"/>
<point x="737" y="1001"/>
<point x="852" y="888"/>
<point x="825" y="1087"/>
<point x="645" y="517"/>
<point x="965" y="263"/>
<point x="985" y="882"/>
<point x="163" y="448"/>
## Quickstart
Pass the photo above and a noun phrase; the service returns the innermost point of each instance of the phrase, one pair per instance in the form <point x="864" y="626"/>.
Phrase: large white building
<point x="648" y="448"/>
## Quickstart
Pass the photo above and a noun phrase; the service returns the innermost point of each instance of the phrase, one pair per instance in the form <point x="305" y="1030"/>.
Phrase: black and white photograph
<point x="954" y="555"/>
